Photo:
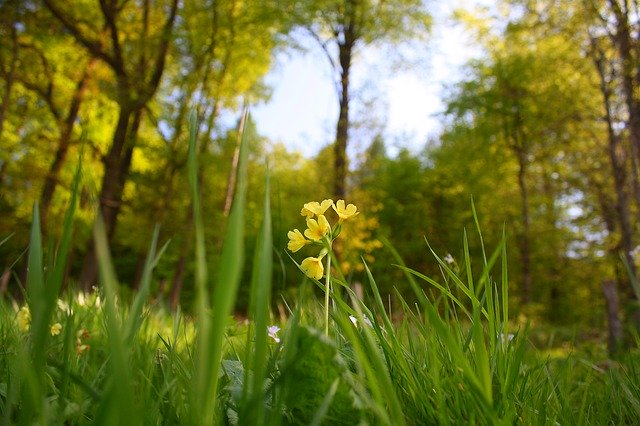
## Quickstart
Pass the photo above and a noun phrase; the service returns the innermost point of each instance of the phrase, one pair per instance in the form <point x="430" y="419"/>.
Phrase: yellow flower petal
<point x="56" y="329"/>
<point x="312" y="267"/>
<point x="296" y="240"/>
<point x="24" y="318"/>
<point x="315" y="208"/>
<point x="345" y="212"/>
<point x="317" y="229"/>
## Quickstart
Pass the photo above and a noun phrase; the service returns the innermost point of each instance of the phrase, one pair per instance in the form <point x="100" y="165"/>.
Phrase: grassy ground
<point x="335" y="360"/>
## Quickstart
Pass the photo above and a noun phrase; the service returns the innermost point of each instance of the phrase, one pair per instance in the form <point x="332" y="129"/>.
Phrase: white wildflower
<point x="273" y="330"/>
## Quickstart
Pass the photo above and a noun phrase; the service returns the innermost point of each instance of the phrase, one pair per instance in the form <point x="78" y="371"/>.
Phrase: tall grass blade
<point x="135" y="313"/>
<point x="211" y="334"/>
<point x="203" y="367"/>
<point x="117" y="406"/>
<point x="419" y="292"/>
<point x="260" y="302"/>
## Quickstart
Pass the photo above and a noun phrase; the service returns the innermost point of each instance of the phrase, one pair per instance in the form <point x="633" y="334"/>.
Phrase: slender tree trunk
<point x="525" y="236"/>
<point x="610" y="292"/>
<point x="64" y="142"/>
<point x="557" y="295"/>
<point x="342" y="128"/>
<point x="617" y="160"/>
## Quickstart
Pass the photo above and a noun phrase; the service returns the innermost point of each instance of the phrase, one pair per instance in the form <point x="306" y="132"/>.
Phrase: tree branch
<point x="94" y="47"/>
<point x="109" y="12"/>
<point x="162" y="52"/>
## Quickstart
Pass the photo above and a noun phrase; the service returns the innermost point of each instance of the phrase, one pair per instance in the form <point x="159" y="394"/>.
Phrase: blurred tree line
<point x="543" y="132"/>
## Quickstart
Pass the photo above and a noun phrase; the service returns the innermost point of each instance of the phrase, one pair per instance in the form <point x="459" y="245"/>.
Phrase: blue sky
<point x="303" y="109"/>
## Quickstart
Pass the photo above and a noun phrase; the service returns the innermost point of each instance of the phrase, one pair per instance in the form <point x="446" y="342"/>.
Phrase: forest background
<point x="543" y="131"/>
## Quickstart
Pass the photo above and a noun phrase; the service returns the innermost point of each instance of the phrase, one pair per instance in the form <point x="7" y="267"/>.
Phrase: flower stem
<point x="327" y="289"/>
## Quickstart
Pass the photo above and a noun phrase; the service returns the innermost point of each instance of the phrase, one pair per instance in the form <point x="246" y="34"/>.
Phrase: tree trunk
<point x="342" y="128"/>
<point x="117" y="164"/>
<point x="524" y="240"/>
<point x="613" y="318"/>
<point x="623" y="41"/>
<point x="617" y="159"/>
<point x="64" y="142"/>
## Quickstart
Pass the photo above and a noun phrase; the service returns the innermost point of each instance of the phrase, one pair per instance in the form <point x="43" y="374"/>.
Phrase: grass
<point x="450" y="360"/>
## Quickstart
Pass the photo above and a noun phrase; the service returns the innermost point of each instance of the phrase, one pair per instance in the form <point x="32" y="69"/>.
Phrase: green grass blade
<point x="36" y="292"/>
<point x="419" y="292"/>
<point x="117" y="406"/>
<point x="225" y="291"/>
<point x="135" y="313"/>
<point x="260" y="301"/>
<point x="203" y="367"/>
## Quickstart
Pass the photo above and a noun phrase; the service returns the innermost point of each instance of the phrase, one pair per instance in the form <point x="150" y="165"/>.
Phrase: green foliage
<point x="449" y="359"/>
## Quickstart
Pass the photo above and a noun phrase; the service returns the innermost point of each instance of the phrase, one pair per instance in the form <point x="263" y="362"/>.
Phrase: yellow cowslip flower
<point x="345" y="212"/>
<point x="312" y="267"/>
<point x="315" y="208"/>
<point x="296" y="240"/>
<point x="317" y="229"/>
<point x="56" y="329"/>
<point x="24" y="318"/>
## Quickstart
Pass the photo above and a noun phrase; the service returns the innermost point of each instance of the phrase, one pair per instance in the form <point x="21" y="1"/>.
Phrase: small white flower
<point x="509" y="337"/>
<point x="81" y="299"/>
<point x="272" y="330"/>
<point x="367" y="321"/>
<point x="449" y="259"/>
<point x="64" y="307"/>
<point x="354" y="320"/>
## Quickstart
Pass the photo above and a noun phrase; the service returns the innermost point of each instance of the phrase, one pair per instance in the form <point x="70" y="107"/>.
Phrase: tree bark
<point x="610" y="291"/>
<point x="342" y="128"/>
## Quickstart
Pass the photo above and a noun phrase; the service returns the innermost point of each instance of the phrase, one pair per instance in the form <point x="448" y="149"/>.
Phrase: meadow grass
<point x="453" y="359"/>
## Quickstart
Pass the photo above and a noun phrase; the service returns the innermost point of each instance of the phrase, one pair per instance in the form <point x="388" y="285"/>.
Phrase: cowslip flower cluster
<point x="319" y="232"/>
